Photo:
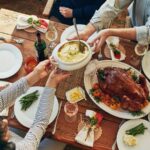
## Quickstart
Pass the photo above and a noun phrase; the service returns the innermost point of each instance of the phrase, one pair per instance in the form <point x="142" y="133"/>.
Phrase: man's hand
<point x="66" y="12"/>
<point x="85" y="34"/>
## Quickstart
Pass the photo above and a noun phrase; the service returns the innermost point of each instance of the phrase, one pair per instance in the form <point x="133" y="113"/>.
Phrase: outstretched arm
<point x="9" y="94"/>
<point x="41" y="121"/>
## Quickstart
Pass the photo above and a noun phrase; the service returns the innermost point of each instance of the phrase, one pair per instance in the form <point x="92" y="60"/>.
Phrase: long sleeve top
<point x="41" y="121"/>
<point x="82" y="9"/>
<point x="139" y="11"/>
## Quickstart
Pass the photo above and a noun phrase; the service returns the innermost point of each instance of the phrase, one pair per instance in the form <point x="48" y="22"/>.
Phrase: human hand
<point x="39" y="72"/>
<point x="55" y="77"/>
<point x="85" y="34"/>
<point x="100" y="39"/>
<point x="66" y="12"/>
<point x="4" y="135"/>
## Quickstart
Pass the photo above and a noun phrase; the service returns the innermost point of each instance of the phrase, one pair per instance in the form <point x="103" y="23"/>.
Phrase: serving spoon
<point x="81" y="46"/>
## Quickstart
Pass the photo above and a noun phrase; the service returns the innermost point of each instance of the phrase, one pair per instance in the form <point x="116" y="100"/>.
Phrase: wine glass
<point x="71" y="110"/>
<point x="51" y="35"/>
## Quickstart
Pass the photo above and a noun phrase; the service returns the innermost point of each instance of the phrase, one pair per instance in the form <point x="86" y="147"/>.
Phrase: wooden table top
<point x="65" y="131"/>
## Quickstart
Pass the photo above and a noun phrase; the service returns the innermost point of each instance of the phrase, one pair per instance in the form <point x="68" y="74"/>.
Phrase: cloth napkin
<point x="115" y="41"/>
<point x="22" y="23"/>
<point x="85" y="136"/>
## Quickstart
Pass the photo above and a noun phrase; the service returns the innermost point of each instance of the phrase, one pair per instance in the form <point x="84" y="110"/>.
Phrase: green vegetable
<point x="101" y="75"/>
<point x="137" y="113"/>
<point x="28" y="100"/>
<point x="134" y="77"/>
<point x="139" y="129"/>
<point x="36" y="22"/>
<point x="93" y="121"/>
<point x="30" y="20"/>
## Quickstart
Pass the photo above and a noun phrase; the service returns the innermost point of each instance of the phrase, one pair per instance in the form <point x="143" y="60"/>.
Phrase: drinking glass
<point x="141" y="49"/>
<point x="51" y="35"/>
<point x="71" y="110"/>
<point x="30" y="64"/>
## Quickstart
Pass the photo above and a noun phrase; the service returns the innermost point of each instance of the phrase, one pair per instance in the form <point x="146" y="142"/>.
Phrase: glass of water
<point x="71" y="110"/>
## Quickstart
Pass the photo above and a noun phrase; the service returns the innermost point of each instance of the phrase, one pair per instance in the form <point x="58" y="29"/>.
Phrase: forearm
<point x="9" y="95"/>
<point x="126" y="33"/>
<point x="41" y="121"/>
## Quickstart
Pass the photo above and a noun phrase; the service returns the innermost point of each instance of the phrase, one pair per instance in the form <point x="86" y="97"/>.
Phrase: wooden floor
<point x="35" y="7"/>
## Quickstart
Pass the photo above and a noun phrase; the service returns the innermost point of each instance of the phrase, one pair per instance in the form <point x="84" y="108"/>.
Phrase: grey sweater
<point x="41" y="121"/>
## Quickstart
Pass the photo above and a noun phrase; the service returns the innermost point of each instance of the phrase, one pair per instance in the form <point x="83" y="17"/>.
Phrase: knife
<point x="55" y="125"/>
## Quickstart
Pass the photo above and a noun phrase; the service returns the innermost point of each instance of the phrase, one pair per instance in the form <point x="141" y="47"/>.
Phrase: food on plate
<point x="40" y="23"/>
<point x="118" y="87"/>
<point x="95" y="118"/>
<point x="70" y="52"/>
<point x="129" y="137"/>
<point x="76" y="94"/>
<point x="27" y="100"/>
<point x="116" y="51"/>
<point x="129" y="140"/>
<point x="139" y="129"/>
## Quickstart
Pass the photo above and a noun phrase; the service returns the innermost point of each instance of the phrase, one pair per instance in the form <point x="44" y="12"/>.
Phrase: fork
<point x="115" y="142"/>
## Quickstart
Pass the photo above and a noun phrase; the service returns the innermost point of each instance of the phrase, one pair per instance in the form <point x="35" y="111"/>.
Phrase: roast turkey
<point x="117" y="82"/>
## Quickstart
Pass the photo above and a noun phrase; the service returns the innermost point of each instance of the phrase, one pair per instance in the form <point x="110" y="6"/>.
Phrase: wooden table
<point x="65" y="131"/>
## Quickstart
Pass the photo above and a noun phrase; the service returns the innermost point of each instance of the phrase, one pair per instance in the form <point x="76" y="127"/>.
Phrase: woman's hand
<point x="4" y="135"/>
<point x="55" y="77"/>
<point x="39" y="72"/>
<point x="66" y="12"/>
<point x="100" y="39"/>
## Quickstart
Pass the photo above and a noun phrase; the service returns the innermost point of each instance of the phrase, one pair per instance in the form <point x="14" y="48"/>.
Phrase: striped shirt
<point x="7" y="98"/>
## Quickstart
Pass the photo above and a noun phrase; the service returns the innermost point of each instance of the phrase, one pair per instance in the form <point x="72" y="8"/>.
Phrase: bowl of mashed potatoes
<point x="69" y="56"/>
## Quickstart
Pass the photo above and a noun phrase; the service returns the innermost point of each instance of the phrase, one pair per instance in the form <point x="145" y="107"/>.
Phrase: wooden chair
<point x="48" y="7"/>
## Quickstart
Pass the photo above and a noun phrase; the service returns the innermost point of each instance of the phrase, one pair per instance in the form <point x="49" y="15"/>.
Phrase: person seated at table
<point x="82" y="10"/>
<point x="7" y="98"/>
<point x="140" y="19"/>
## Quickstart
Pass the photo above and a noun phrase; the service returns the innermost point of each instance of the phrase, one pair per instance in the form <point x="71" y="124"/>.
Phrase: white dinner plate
<point x="146" y="64"/>
<point x="120" y="113"/>
<point x="142" y="140"/>
<point x="26" y="117"/>
<point x="10" y="60"/>
<point x="70" y="31"/>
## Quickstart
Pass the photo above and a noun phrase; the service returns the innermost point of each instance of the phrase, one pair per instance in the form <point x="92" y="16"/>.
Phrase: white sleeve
<point x="107" y="12"/>
<point x="41" y="121"/>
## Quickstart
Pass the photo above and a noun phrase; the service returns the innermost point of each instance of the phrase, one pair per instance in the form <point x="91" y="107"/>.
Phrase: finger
<point x="45" y="62"/>
<point x="65" y="76"/>
<point x="99" y="45"/>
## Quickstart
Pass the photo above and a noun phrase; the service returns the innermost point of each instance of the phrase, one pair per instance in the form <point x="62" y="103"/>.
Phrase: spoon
<point x="81" y="46"/>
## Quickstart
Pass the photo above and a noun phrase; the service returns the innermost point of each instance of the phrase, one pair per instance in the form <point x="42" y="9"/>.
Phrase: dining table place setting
<point x="89" y="107"/>
<point x="32" y="23"/>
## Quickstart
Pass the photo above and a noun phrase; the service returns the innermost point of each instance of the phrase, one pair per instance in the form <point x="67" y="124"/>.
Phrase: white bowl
<point x="68" y="66"/>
